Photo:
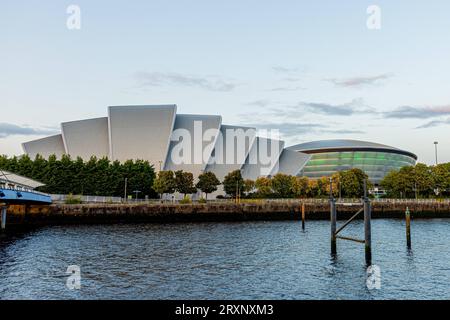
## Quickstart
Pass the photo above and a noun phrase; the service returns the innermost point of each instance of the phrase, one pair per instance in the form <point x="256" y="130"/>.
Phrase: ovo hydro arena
<point x="169" y="141"/>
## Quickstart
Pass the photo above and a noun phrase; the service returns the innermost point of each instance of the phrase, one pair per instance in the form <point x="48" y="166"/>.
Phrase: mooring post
<point x="3" y="217"/>
<point x="303" y="216"/>
<point x="367" y="227"/>
<point x="408" y="228"/>
<point x="333" y="219"/>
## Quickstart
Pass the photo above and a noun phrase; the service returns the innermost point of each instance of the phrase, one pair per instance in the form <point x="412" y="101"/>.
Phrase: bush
<point x="186" y="200"/>
<point x="73" y="200"/>
<point x="202" y="200"/>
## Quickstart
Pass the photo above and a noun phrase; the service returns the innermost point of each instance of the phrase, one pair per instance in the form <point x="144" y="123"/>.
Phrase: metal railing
<point x="58" y="198"/>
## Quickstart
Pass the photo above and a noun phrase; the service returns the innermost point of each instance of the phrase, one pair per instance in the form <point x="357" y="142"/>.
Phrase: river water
<point x="244" y="260"/>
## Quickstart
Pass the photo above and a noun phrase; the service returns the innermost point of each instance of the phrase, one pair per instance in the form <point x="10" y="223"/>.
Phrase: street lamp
<point x="435" y="149"/>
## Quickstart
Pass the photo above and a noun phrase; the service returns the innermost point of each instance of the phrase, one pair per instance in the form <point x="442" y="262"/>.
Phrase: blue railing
<point x="14" y="196"/>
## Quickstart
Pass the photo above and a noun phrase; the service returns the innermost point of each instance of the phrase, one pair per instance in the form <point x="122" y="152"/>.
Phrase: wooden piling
<point x="333" y="218"/>
<point x="3" y="223"/>
<point x="333" y="225"/>
<point x="367" y="227"/>
<point x="303" y="216"/>
<point x="408" y="228"/>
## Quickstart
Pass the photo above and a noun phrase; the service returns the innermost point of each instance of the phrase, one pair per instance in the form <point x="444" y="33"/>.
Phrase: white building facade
<point x="171" y="141"/>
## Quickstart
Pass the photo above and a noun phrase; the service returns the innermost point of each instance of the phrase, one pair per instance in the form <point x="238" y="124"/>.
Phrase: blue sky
<point x="309" y="68"/>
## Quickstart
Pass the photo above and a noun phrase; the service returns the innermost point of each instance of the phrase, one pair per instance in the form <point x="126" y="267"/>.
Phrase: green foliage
<point x="282" y="185"/>
<point x="419" y="181"/>
<point x="264" y="187"/>
<point x="165" y="183"/>
<point x="249" y="186"/>
<point x="72" y="200"/>
<point x="184" y="182"/>
<point x="186" y="200"/>
<point x="233" y="183"/>
<point x="351" y="182"/>
<point x="207" y="183"/>
<point x="202" y="200"/>
<point x="299" y="186"/>
<point x="99" y="177"/>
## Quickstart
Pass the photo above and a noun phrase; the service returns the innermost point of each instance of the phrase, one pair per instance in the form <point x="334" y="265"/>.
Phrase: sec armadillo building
<point x="199" y="143"/>
<point x="171" y="141"/>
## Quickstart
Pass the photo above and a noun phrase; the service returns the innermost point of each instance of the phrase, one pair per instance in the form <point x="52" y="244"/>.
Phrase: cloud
<point x="434" y="123"/>
<point x="289" y="129"/>
<point x="278" y="89"/>
<point x="9" y="129"/>
<point x="156" y="79"/>
<point x="359" y="81"/>
<point x="418" y="112"/>
<point x="259" y="103"/>
<point x="301" y="110"/>
<point x="345" y="131"/>
<point x="345" y="109"/>
<point x="280" y="69"/>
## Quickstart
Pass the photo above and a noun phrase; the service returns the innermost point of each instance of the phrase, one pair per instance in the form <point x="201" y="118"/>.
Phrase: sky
<point x="312" y="69"/>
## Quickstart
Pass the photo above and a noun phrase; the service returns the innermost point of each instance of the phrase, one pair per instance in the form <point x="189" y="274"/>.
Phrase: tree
<point x="352" y="182"/>
<point x="164" y="183"/>
<point x="185" y="182"/>
<point x="441" y="177"/>
<point x="207" y="183"/>
<point x="313" y="188"/>
<point x="264" y="187"/>
<point x="282" y="185"/>
<point x="423" y="180"/>
<point x="300" y="186"/>
<point x="233" y="183"/>
<point x="249" y="186"/>
<point x="419" y="180"/>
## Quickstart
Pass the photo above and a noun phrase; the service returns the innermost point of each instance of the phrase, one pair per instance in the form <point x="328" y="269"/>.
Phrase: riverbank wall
<point x="165" y="212"/>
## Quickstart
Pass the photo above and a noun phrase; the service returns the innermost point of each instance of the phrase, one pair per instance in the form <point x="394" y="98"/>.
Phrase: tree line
<point x="103" y="177"/>
<point x="99" y="177"/>
<point x="419" y="181"/>
<point x="346" y="184"/>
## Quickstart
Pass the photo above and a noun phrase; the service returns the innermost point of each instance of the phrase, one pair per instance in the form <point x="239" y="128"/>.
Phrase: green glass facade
<point x="375" y="164"/>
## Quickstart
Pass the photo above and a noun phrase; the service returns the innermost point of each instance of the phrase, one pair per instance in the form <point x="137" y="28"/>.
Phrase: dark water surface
<point x="251" y="260"/>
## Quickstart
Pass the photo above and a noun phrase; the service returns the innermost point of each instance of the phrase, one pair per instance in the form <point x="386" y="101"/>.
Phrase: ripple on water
<point x="248" y="260"/>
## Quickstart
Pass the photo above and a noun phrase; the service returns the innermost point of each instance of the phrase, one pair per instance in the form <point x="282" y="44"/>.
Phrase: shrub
<point x="202" y="200"/>
<point x="186" y="200"/>
<point x="71" y="199"/>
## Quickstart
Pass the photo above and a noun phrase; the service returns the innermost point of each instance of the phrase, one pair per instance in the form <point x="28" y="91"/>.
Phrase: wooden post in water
<point x="408" y="228"/>
<point x="367" y="227"/>
<point x="303" y="216"/>
<point x="3" y="224"/>
<point x="333" y="218"/>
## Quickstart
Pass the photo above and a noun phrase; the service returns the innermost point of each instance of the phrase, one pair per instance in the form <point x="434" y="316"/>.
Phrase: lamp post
<point x="125" y="190"/>
<point x="435" y="150"/>
<point x="136" y="191"/>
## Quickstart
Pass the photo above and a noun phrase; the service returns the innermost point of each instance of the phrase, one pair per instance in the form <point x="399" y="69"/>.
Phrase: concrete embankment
<point x="273" y="210"/>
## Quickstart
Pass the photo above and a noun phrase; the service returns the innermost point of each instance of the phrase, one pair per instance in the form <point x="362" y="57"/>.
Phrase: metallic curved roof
<point x="346" y="145"/>
<point x="6" y="176"/>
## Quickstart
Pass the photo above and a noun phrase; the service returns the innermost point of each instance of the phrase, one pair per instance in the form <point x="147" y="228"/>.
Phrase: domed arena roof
<point x="347" y="145"/>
